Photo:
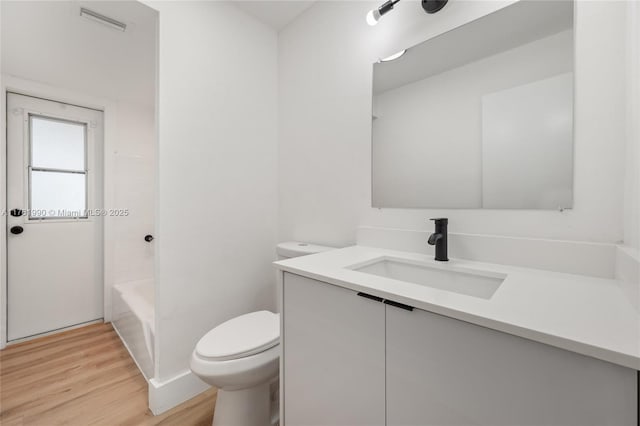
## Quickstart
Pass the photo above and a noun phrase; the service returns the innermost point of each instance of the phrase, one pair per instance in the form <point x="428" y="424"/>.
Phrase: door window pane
<point x="57" y="144"/>
<point x="55" y="194"/>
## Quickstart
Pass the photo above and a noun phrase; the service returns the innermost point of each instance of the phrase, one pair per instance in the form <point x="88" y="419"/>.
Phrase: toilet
<point x="240" y="357"/>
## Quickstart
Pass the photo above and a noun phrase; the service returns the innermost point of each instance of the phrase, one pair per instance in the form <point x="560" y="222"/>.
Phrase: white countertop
<point x="589" y="316"/>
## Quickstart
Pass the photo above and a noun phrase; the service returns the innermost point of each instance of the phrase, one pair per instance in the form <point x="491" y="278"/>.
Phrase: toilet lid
<point x="242" y="336"/>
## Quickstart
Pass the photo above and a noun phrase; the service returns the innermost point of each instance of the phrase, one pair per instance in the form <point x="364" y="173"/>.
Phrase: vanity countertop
<point x="586" y="315"/>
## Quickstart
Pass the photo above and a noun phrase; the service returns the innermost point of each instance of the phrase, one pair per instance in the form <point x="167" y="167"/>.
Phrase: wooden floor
<point x="83" y="377"/>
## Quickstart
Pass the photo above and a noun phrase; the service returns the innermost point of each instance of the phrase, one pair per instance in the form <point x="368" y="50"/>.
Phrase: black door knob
<point x="17" y="230"/>
<point x="148" y="238"/>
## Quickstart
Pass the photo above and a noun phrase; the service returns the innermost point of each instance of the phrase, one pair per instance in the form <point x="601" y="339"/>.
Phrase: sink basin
<point x="474" y="283"/>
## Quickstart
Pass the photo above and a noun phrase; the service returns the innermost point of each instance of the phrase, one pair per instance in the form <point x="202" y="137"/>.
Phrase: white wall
<point x="325" y="71"/>
<point x="632" y="176"/>
<point x="134" y="164"/>
<point x="433" y="127"/>
<point x="217" y="173"/>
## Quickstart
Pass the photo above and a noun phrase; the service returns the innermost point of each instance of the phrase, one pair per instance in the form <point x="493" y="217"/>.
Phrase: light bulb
<point x="373" y="17"/>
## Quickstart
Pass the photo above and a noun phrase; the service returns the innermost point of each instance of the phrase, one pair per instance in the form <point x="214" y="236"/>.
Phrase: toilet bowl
<point x="240" y="357"/>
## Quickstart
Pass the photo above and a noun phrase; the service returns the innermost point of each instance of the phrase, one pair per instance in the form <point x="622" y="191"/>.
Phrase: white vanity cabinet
<point x="350" y="360"/>
<point x="442" y="371"/>
<point x="333" y="356"/>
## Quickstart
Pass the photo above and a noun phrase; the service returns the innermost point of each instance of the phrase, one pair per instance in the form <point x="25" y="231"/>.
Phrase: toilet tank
<point x="290" y="249"/>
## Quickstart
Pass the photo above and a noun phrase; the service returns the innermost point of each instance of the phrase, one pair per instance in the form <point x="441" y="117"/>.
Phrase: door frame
<point x="109" y="109"/>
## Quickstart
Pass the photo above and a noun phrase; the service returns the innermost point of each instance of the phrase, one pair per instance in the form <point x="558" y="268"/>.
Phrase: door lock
<point x="16" y="230"/>
<point x="16" y="212"/>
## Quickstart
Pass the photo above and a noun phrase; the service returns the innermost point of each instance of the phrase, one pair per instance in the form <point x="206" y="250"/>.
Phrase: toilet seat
<point x="240" y="337"/>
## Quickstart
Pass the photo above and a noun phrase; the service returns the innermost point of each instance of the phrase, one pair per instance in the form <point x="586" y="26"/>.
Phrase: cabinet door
<point x="442" y="371"/>
<point x="333" y="349"/>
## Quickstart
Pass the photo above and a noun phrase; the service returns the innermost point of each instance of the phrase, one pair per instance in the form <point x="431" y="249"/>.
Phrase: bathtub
<point x="134" y="321"/>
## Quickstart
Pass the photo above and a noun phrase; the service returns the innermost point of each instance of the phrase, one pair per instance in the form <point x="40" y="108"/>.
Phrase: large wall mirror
<point x="480" y="116"/>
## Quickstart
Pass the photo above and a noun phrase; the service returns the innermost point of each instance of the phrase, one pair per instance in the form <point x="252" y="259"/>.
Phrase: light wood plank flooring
<point x="83" y="377"/>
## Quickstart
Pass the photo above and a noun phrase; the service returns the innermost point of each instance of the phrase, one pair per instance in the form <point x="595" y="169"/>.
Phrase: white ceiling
<point x="276" y="14"/>
<point x="48" y="42"/>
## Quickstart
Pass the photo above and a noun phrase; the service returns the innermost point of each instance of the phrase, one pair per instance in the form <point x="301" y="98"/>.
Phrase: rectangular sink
<point x="474" y="283"/>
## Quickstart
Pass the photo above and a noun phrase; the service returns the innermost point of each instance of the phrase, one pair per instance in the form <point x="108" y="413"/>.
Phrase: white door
<point x="54" y="221"/>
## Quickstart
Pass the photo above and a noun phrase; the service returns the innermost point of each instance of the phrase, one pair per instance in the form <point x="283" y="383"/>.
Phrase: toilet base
<point x="243" y="407"/>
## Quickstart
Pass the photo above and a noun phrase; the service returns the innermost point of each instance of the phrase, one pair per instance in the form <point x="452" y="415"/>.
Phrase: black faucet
<point x="439" y="238"/>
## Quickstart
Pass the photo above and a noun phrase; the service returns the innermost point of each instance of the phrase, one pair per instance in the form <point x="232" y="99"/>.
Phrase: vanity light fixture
<point x="374" y="15"/>
<point x="433" y="6"/>
<point x="429" y="6"/>
<point x="394" y="56"/>
<point x="101" y="19"/>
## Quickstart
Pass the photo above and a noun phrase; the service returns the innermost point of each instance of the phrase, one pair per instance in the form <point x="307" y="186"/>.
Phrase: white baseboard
<point x="573" y="257"/>
<point x="166" y="394"/>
